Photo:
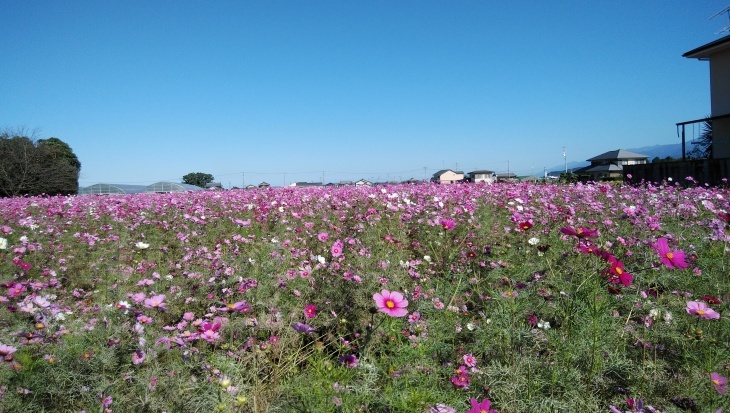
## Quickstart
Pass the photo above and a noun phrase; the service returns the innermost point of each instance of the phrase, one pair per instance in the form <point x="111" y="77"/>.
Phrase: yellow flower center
<point x="701" y="312"/>
<point x="619" y="271"/>
<point x="390" y="304"/>
<point x="670" y="255"/>
<point x="716" y="382"/>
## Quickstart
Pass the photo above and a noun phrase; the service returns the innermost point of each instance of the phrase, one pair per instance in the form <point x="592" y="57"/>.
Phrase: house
<point x="481" y="176"/>
<point x="447" y="176"/>
<point x="610" y="165"/>
<point x="264" y="185"/>
<point x="506" y="176"/>
<point x="718" y="54"/>
<point x="363" y="182"/>
<point x="709" y="171"/>
<point x="213" y="185"/>
<point x="305" y="184"/>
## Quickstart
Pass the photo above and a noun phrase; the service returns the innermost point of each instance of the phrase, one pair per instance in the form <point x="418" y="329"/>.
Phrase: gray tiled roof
<point x="617" y="154"/>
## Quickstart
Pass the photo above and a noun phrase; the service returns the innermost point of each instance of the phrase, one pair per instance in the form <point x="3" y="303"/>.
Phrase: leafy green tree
<point x="30" y="167"/>
<point x="198" y="179"/>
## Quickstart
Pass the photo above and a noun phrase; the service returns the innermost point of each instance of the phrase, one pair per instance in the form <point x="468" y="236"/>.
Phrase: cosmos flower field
<point x="405" y="298"/>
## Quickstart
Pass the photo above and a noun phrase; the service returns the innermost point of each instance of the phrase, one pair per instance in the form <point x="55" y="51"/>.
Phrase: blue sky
<point x="285" y="91"/>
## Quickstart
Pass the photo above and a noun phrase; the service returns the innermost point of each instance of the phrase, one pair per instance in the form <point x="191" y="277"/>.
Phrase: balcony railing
<point x="681" y="129"/>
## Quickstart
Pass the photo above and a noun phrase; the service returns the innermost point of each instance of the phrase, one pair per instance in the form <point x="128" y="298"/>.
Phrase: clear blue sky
<point x="145" y="91"/>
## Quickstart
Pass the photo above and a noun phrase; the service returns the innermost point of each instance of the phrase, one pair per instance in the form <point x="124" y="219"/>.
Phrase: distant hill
<point x="662" y="151"/>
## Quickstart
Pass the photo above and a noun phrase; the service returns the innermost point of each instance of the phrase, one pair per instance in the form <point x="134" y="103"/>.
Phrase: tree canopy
<point x="198" y="179"/>
<point x="34" y="167"/>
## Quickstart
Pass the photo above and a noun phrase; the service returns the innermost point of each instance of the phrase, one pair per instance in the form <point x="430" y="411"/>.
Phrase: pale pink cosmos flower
<point x="672" y="259"/>
<point x="719" y="382"/>
<point x="156" y="301"/>
<point x="391" y="303"/>
<point x="323" y="236"/>
<point x="6" y="351"/>
<point x="701" y="310"/>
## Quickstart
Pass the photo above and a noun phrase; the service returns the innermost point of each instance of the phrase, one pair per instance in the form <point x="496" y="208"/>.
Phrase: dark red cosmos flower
<point x="711" y="299"/>
<point x="525" y="225"/>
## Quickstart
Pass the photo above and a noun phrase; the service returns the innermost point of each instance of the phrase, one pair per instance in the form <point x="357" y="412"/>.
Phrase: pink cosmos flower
<point x="310" y="310"/>
<point x="239" y="306"/>
<point x="672" y="259"/>
<point x="483" y="407"/>
<point x="701" y="310"/>
<point x="156" y="301"/>
<point x="719" y="382"/>
<point x="391" y="303"/>
<point x="16" y="289"/>
<point x="138" y="357"/>
<point x="470" y="360"/>
<point x="323" y="236"/>
<point x="209" y="332"/>
<point x="337" y="248"/>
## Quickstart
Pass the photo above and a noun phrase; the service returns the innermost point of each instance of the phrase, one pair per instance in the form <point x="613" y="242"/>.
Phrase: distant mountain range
<point x="662" y="151"/>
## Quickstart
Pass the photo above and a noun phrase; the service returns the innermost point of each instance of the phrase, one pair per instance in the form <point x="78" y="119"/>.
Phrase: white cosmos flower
<point x="142" y="245"/>
<point x="533" y="241"/>
<point x="3" y="243"/>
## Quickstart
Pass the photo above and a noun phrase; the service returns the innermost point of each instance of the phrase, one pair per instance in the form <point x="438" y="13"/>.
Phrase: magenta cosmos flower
<point x="310" y="310"/>
<point x="701" y="310"/>
<point x="483" y="407"/>
<point x="391" y="303"/>
<point x="581" y="232"/>
<point x="672" y="259"/>
<point x="719" y="382"/>
<point x="447" y="224"/>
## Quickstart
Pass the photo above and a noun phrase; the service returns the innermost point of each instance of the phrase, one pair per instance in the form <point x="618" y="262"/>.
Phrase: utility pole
<point x="243" y="179"/>
<point x="284" y="178"/>
<point x="565" y="159"/>
<point x="508" y="169"/>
